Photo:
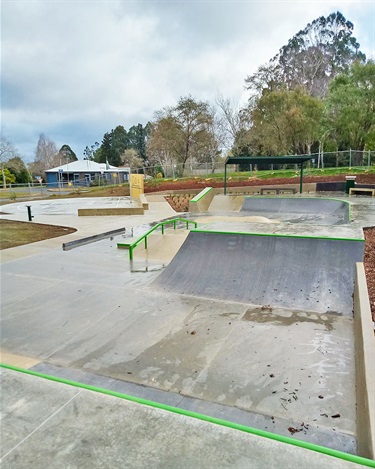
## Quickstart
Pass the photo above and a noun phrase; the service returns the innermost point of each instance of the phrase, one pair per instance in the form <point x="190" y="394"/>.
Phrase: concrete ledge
<point x="105" y="212"/>
<point x="201" y="201"/>
<point x="365" y="369"/>
<point x="91" y="239"/>
<point x="144" y="202"/>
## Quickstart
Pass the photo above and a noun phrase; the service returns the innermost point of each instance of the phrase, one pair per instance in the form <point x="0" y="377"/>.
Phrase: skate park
<point x="247" y="318"/>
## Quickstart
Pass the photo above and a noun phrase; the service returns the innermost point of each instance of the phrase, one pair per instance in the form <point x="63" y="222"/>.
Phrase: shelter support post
<point x="300" y="179"/>
<point x="225" y="179"/>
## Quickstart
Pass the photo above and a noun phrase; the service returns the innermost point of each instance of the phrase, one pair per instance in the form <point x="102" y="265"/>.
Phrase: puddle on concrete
<point x="282" y="317"/>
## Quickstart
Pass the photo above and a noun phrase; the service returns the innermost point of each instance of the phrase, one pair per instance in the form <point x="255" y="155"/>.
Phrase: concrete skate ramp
<point x="226" y="203"/>
<point x="308" y="274"/>
<point x="299" y="210"/>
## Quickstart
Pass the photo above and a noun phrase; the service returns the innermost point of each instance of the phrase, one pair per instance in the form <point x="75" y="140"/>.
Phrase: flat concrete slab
<point x="64" y="213"/>
<point x="48" y="424"/>
<point x="70" y="206"/>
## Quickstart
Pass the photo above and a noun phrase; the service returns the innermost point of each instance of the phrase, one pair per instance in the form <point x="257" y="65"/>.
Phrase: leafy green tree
<point x="137" y="138"/>
<point x="312" y="58"/>
<point x="9" y="177"/>
<point x="106" y="148"/>
<point x="283" y="122"/>
<point x="113" y="145"/>
<point x="17" y="167"/>
<point x="350" y="110"/>
<point x="119" y="143"/>
<point x="89" y="153"/>
<point x="67" y="155"/>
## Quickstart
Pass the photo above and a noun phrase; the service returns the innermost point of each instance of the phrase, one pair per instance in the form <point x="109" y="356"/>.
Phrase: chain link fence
<point x="340" y="159"/>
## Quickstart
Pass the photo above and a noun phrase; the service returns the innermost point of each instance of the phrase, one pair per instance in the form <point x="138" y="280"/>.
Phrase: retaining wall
<point x="105" y="212"/>
<point x="365" y="366"/>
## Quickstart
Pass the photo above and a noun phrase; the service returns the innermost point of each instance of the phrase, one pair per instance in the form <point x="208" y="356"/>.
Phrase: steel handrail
<point x="134" y="244"/>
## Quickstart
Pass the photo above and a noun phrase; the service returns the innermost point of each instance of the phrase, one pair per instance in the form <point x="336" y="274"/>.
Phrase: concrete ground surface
<point x="91" y="315"/>
<point x="56" y="425"/>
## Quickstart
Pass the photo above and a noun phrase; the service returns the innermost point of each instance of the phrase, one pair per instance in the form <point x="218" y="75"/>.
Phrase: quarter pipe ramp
<point x="308" y="274"/>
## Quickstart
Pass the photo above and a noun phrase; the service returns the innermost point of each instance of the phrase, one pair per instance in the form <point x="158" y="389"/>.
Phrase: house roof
<point x="86" y="166"/>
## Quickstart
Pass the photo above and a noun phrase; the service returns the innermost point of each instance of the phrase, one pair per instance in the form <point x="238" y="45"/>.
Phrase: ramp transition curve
<point x="308" y="274"/>
<point x="299" y="210"/>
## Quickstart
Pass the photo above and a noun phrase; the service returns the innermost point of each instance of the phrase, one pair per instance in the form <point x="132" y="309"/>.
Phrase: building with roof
<point x="85" y="173"/>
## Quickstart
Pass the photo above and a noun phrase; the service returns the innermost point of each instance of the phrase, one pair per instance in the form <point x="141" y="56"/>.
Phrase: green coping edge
<point x="275" y="235"/>
<point x="201" y="194"/>
<point x="254" y="431"/>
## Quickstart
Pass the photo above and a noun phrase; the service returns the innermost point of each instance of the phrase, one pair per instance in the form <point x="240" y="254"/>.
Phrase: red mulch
<point x="201" y="183"/>
<point x="370" y="266"/>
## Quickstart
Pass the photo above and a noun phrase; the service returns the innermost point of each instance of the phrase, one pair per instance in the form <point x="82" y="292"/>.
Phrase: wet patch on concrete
<point x="282" y="317"/>
<point x="302" y="371"/>
<point x="175" y="360"/>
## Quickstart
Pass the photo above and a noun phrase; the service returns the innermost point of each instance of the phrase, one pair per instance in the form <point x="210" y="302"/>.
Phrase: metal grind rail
<point x="132" y="246"/>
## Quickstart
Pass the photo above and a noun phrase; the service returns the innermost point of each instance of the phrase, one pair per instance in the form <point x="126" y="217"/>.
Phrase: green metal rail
<point x="134" y="244"/>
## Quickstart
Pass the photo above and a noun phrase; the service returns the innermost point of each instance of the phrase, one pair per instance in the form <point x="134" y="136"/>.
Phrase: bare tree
<point x="7" y="152"/>
<point x="181" y="131"/>
<point x="131" y="158"/>
<point x="228" y="121"/>
<point x="46" y="155"/>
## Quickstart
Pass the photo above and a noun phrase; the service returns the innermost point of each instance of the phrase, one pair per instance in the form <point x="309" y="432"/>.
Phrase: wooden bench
<point x="361" y="190"/>
<point x="278" y="190"/>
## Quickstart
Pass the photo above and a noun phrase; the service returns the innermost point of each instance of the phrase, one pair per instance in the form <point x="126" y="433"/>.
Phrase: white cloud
<point x="74" y="70"/>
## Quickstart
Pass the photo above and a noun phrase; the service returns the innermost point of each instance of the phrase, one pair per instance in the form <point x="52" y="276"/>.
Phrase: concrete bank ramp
<point x="298" y="209"/>
<point x="308" y="274"/>
<point x="226" y="203"/>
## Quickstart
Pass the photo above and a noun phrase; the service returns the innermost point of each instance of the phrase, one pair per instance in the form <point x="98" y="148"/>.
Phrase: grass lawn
<point x="16" y="233"/>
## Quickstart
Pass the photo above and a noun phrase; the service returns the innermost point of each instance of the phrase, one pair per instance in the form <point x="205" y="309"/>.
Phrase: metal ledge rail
<point x="132" y="246"/>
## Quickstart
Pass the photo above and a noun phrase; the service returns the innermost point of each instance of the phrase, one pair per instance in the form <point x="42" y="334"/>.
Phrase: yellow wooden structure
<point x="136" y="185"/>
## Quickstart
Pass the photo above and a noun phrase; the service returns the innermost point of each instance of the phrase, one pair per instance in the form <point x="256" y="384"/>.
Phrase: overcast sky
<point x="76" y="69"/>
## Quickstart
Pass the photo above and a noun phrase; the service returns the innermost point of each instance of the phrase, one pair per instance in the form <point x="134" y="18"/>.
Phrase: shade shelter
<point x="298" y="160"/>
